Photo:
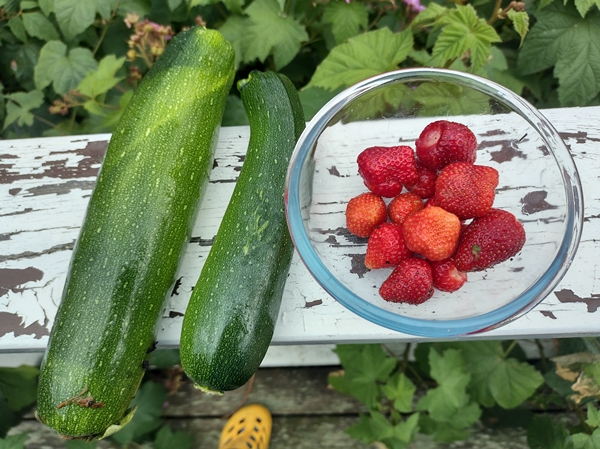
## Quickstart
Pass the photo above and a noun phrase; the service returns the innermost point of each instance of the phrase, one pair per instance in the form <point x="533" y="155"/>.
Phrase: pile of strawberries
<point x="440" y="222"/>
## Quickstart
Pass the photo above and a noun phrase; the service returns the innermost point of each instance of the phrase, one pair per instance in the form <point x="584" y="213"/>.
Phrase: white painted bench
<point x="45" y="184"/>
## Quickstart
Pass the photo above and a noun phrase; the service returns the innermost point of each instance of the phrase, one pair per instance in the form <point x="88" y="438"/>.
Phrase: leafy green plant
<point x="69" y="66"/>
<point x="451" y="386"/>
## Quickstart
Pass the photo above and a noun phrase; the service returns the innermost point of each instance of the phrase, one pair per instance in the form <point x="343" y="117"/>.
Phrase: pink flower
<point x="415" y="5"/>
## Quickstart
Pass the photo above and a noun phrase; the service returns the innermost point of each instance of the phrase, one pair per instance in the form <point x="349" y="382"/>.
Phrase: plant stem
<point x="44" y="121"/>
<point x="543" y="358"/>
<point x="509" y="349"/>
<point x="494" y="16"/>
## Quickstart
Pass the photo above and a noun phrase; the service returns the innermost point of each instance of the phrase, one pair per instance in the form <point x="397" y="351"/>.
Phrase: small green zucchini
<point x="230" y="318"/>
<point x="136" y="228"/>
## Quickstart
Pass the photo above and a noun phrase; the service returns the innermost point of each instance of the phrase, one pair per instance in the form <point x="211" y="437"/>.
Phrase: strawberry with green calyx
<point x="385" y="170"/>
<point x="404" y="205"/>
<point x="489" y="240"/>
<point x="443" y="142"/>
<point x="432" y="232"/>
<point x="411" y="282"/>
<point x="386" y="247"/>
<point x="365" y="212"/>
<point x="446" y="277"/>
<point x="466" y="190"/>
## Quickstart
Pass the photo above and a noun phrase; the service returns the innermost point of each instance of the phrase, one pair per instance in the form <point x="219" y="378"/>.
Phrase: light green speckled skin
<point x="230" y="318"/>
<point x="136" y="227"/>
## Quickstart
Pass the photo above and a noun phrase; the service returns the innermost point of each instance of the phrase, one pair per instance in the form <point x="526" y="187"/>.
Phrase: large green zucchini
<point x="136" y="228"/>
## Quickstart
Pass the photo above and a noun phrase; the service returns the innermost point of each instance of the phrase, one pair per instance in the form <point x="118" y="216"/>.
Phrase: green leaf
<point x="430" y="14"/>
<point x="449" y="371"/>
<point x="103" y="79"/>
<point x="149" y="399"/>
<point x="140" y="7"/>
<point x="18" y="28"/>
<point x="497" y="379"/>
<point x="235" y="6"/>
<point x="74" y="16"/>
<point x="593" y="417"/>
<point x="167" y="439"/>
<point x="376" y="427"/>
<point x="585" y="441"/>
<point x="520" y="20"/>
<point x="234" y="30"/>
<point x="543" y="433"/>
<point x="449" y="99"/>
<point x="271" y="32"/>
<point x="314" y="98"/>
<point x="47" y="6"/>
<point x="561" y="38"/>
<point x="235" y="113"/>
<point x="464" y="31"/>
<point x="401" y="390"/>
<point x="14" y="441"/>
<point x="363" y="56"/>
<point x="346" y="19"/>
<point x="19" y="385"/>
<point x="174" y="4"/>
<point x="65" y="72"/>
<point x="18" y="109"/>
<point x="164" y="358"/>
<point x="583" y="6"/>
<point x="28" y="4"/>
<point x="365" y="366"/>
<point x="38" y="25"/>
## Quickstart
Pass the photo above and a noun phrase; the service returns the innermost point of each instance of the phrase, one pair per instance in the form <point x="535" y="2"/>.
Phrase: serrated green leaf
<point x="496" y="379"/>
<point x="401" y="390"/>
<point x="365" y="366"/>
<point x="149" y="400"/>
<point x="560" y="37"/>
<point x="363" y="56"/>
<point x="47" y="6"/>
<point x="19" y="108"/>
<point x="14" y="441"/>
<point x="105" y="7"/>
<point x="103" y="79"/>
<point x="543" y="433"/>
<point x="140" y="7"/>
<point x="235" y="6"/>
<point x="583" y="6"/>
<point x="431" y="13"/>
<point x="38" y="25"/>
<point x="449" y="99"/>
<point x="19" y="385"/>
<point x="585" y="441"/>
<point x="593" y="416"/>
<point x="464" y="31"/>
<point x="376" y="427"/>
<point x="112" y="118"/>
<point x="234" y="30"/>
<point x="271" y="32"/>
<point x="449" y="371"/>
<point x="167" y="439"/>
<point x="520" y="20"/>
<point x="74" y="16"/>
<point x="346" y="19"/>
<point x="64" y="71"/>
<point x="18" y="28"/>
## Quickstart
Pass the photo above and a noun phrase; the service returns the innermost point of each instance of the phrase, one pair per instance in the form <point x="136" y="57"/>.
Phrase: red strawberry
<point x="489" y="240"/>
<point x="466" y="190"/>
<point x="411" y="282"/>
<point x="446" y="277"/>
<point x="432" y="232"/>
<point x="425" y="185"/>
<point x="385" y="170"/>
<point x="364" y="212"/>
<point x="386" y="247"/>
<point x="403" y="205"/>
<point x="443" y="142"/>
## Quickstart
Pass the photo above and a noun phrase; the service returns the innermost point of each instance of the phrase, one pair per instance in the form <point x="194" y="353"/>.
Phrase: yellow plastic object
<point x="248" y="428"/>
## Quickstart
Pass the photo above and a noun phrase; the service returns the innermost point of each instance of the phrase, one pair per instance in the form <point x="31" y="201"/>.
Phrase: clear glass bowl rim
<point x="437" y="328"/>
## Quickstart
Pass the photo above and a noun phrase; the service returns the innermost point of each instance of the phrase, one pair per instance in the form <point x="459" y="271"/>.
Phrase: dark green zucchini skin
<point x="229" y="321"/>
<point x="136" y="228"/>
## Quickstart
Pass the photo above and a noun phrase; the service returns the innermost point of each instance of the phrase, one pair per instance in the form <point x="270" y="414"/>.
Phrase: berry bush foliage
<point x="69" y="66"/>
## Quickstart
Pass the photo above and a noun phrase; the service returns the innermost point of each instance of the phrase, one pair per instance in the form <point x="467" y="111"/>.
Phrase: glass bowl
<point x="539" y="183"/>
